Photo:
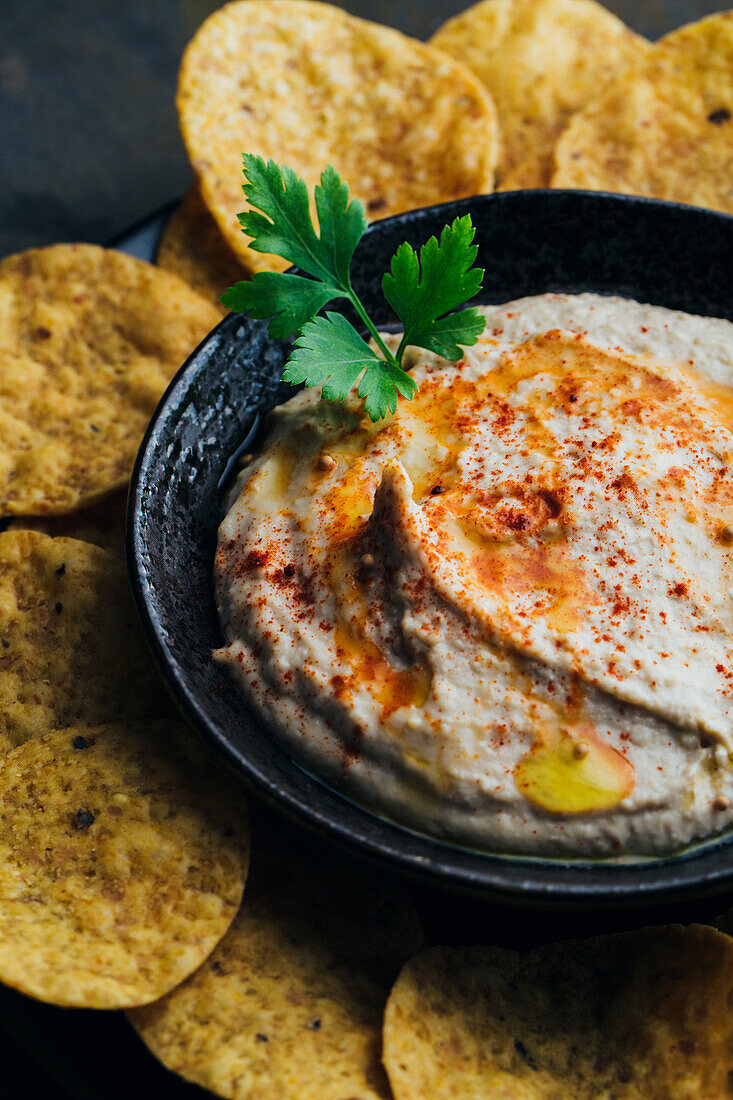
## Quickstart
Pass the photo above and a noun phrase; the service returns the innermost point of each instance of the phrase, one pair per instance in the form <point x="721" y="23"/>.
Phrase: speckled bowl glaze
<point x="529" y="243"/>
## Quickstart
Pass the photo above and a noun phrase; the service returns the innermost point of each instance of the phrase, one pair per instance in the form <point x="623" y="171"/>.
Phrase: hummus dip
<point x="504" y="616"/>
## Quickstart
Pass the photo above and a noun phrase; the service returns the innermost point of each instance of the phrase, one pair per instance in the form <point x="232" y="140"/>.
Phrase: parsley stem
<point x="367" y="321"/>
<point x="401" y="349"/>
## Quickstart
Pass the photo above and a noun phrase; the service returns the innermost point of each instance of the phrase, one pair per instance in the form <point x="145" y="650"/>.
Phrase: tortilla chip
<point x="309" y="85"/>
<point x="193" y="248"/>
<point x="664" y="129"/>
<point x="289" y="1006"/>
<point x="123" y="855"/>
<point x="71" y="648"/>
<point x="89" y="339"/>
<point x="103" y="524"/>
<point x="541" y="60"/>
<point x="632" y="1016"/>
<point x="534" y="171"/>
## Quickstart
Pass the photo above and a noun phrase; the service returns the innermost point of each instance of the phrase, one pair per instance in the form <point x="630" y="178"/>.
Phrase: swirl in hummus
<point x="504" y="615"/>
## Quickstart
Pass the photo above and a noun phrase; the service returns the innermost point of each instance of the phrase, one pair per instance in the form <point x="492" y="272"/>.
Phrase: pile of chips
<point x="509" y="94"/>
<point x="124" y="848"/>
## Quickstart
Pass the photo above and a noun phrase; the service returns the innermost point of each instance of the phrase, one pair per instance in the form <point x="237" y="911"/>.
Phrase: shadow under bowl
<point x="529" y="243"/>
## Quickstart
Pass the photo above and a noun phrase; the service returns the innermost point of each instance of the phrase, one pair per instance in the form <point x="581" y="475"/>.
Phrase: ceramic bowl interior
<point x="529" y="243"/>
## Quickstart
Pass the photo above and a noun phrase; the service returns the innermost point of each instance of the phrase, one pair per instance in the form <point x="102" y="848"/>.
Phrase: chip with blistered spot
<point x="71" y="648"/>
<point x="307" y="85"/>
<point x="290" y="1003"/>
<point x="541" y="60"/>
<point x="632" y="1016"/>
<point x="665" y="128"/>
<point x="89" y="339"/>
<point x="123" y="855"/>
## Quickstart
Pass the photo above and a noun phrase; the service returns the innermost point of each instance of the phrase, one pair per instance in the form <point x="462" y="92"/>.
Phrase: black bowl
<point x="529" y="243"/>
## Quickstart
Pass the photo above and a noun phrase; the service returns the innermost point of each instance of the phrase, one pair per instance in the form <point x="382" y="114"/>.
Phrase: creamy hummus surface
<point x="504" y="615"/>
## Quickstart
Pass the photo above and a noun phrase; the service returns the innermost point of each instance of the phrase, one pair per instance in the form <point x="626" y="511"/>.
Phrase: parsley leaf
<point x="342" y="223"/>
<point x="284" y="225"/>
<point x="290" y="300"/>
<point x="280" y="222"/>
<point x="329" y="352"/>
<point x="422" y="291"/>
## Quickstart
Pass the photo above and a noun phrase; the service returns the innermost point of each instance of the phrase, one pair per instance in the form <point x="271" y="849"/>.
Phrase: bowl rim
<point x="507" y="879"/>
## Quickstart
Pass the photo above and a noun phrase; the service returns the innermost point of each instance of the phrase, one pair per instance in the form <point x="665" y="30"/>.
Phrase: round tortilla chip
<point x="289" y="1006"/>
<point x="89" y="339"/>
<point x="309" y="85"/>
<point x="665" y="129"/>
<point x="123" y="855"/>
<point x="193" y="248"/>
<point x="634" y="1016"/>
<point x="102" y="524"/>
<point x="541" y="60"/>
<point x="71" y="647"/>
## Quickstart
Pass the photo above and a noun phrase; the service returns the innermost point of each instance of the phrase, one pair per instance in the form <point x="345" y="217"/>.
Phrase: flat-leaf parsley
<point x="424" y="291"/>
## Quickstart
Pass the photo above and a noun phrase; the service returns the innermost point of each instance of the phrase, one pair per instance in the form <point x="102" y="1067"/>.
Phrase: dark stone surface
<point x="89" y="142"/>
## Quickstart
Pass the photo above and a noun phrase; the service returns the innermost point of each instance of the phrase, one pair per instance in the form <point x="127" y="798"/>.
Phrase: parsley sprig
<point x="424" y="291"/>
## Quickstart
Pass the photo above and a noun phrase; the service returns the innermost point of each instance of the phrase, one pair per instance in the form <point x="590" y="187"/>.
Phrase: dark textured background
<point x="88" y="137"/>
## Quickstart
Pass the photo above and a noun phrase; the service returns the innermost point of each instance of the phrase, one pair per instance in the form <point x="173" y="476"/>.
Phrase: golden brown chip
<point x="123" y="854"/>
<point x="541" y="60"/>
<point x="309" y="85"/>
<point x="633" y="1016"/>
<point x="665" y="129"/>
<point x="535" y="170"/>
<point x="289" y="1006"/>
<point x="71" y="648"/>
<point x="193" y="248"/>
<point x="102" y="524"/>
<point x="89" y="338"/>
